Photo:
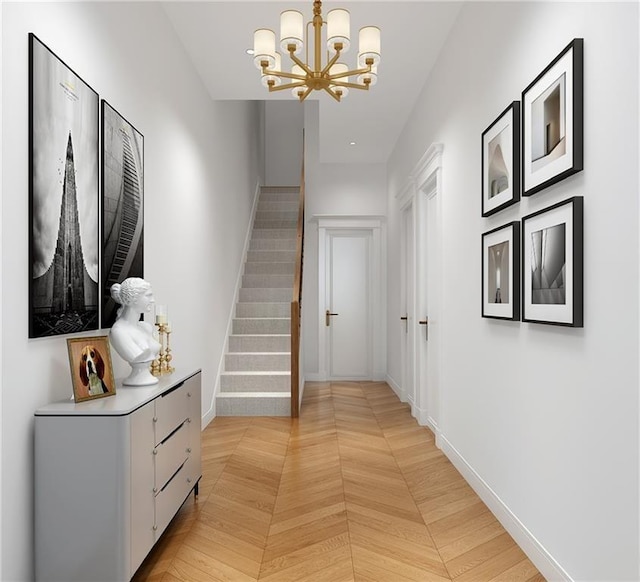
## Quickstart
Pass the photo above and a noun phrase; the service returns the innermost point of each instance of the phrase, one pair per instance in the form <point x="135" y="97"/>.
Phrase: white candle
<point x="161" y="314"/>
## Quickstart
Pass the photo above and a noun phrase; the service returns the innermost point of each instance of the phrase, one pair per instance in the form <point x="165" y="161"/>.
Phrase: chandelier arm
<point x="332" y="62"/>
<point x="287" y="86"/>
<point x="334" y="95"/>
<point x="305" y="94"/>
<point x="301" y="64"/>
<point x="286" y="75"/>
<point x="350" y="73"/>
<point x="351" y="85"/>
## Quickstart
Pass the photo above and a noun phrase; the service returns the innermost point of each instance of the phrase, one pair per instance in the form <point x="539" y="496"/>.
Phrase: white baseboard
<point x="313" y="377"/>
<point x="396" y="388"/>
<point x="545" y="563"/>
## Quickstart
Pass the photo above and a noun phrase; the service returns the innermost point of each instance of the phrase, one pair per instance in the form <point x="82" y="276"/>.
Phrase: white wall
<point x="546" y="416"/>
<point x="201" y="171"/>
<point x="283" y="121"/>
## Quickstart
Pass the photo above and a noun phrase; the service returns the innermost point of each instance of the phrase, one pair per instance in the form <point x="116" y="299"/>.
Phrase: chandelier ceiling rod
<point x="303" y="78"/>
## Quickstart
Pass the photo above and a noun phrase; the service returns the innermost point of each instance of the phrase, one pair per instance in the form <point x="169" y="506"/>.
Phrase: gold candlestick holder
<point x="161" y="365"/>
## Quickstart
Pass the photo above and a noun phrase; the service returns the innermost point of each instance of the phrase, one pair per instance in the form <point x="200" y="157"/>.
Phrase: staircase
<point x="257" y="374"/>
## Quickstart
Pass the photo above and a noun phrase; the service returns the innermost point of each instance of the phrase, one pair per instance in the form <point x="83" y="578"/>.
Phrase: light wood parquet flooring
<point x="354" y="490"/>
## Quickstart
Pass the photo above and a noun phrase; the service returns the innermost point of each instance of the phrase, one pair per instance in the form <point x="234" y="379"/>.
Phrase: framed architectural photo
<point x="63" y="197"/>
<point x="552" y="115"/>
<point x="122" y="205"/>
<point x="501" y="161"/>
<point x="552" y="270"/>
<point x="91" y="369"/>
<point x="501" y="272"/>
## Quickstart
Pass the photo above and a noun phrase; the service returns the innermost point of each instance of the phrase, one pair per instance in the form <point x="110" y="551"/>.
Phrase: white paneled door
<point x="348" y="311"/>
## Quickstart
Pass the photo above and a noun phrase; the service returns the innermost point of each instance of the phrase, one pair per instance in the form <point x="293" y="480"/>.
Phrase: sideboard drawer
<point x="170" y="498"/>
<point x="170" y="454"/>
<point x="171" y="411"/>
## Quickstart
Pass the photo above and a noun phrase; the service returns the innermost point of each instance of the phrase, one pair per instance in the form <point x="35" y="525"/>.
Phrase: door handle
<point x="425" y="322"/>
<point x="327" y="317"/>
<point x="405" y="318"/>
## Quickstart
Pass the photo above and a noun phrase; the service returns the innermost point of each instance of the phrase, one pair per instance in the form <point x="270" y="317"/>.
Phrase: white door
<point x="428" y="306"/>
<point x="348" y="305"/>
<point x="407" y="305"/>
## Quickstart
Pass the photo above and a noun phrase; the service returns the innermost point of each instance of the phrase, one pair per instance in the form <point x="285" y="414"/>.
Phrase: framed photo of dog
<point x="91" y="369"/>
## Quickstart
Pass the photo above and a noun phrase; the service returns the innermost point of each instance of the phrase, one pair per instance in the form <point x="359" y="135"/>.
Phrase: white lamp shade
<point x="369" y="45"/>
<point x="277" y="67"/>
<point x="338" y="24"/>
<point x="336" y="70"/>
<point x="264" y="47"/>
<point x="291" y="30"/>
<point x="372" y="76"/>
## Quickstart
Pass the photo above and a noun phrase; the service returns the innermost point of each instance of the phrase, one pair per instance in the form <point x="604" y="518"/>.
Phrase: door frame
<point x="424" y="188"/>
<point x="375" y="225"/>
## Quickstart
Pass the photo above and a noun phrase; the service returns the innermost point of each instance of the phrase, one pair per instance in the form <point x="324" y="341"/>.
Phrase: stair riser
<point x="267" y="281"/>
<point x="253" y="295"/>
<point x="260" y="343"/>
<point x="263" y="310"/>
<point x="253" y="406"/>
<point x="261" y="326"/>
<point x="269" y="268"/>
<point x="277" y="233"/>
<point x="255" y="383"/>
<point x="271" y="257"/>
<point x="289" y="215"/>
<point x="273" y="244"/>
<point x="258" y="362"/>
<point x="279" y="206"/>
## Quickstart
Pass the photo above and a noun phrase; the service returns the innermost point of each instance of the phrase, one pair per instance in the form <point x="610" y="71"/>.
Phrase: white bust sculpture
<point x="131" y="338"/>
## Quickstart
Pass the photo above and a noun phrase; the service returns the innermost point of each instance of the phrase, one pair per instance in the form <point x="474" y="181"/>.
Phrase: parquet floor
<point x="354" y="490"/>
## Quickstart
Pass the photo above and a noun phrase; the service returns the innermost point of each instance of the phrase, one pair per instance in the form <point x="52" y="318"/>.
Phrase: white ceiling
<point x="216" y="34"/>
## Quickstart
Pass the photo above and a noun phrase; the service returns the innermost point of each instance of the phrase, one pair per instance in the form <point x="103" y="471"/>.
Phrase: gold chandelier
<point x="332" y="76"/>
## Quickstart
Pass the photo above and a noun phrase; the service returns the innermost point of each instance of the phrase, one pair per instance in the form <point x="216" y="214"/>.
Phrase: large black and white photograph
<point x="552" y="271"/>
<point x="63" y="188"/>
<point x="501" y="161"/>
<point x="501" y="272"/>
<point x="122" y="205"/>
<point x="553" y="121"/>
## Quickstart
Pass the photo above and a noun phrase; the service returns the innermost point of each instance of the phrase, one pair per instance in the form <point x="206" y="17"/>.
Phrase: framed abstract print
<point x="501" y="161"/>
<point x="501" y="272"/>
<point x="552" y="115"/>
<point x="552" y="264"/>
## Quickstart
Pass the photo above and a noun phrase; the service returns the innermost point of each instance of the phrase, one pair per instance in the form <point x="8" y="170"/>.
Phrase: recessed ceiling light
<point x="250" y="51"/>
<point x="352" y="143"/>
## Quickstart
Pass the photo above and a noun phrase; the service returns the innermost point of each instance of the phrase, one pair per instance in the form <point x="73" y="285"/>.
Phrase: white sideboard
<point x="110" y="474"/>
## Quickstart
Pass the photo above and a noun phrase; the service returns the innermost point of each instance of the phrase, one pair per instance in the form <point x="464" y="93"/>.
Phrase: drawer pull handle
<point x="155" y="528"/>
<point x="188" y="420"/>
<point x="189" y="450"/>
<point x="188" y="479"/>
<point x="155" y="489"/>
<point x="155" y="451"/>
<point x="188" y="394"/>
<point x="155" y="419"/>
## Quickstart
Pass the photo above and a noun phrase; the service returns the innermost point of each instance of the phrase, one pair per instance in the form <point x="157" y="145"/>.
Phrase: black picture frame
<point x="501" y="161"/>
<point x="500" y="265"/>
<point x="64" y="243"/>
<point x="122" y="206"/>
<point x="553" y="264"/>
<point x="553" y="121"/>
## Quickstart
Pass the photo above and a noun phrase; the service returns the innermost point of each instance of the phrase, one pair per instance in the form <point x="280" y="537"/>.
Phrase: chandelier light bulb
<point x="338" y="25"/>
<point x="276" y="80"/>
<point x="264" y="47"/>
<point x="291" y="30"/>
<point x="369" y="45"/>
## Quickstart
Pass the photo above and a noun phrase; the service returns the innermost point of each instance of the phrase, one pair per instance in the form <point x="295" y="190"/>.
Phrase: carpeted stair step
<point x="260" y="343"/>
<point x="258" y="361"/>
